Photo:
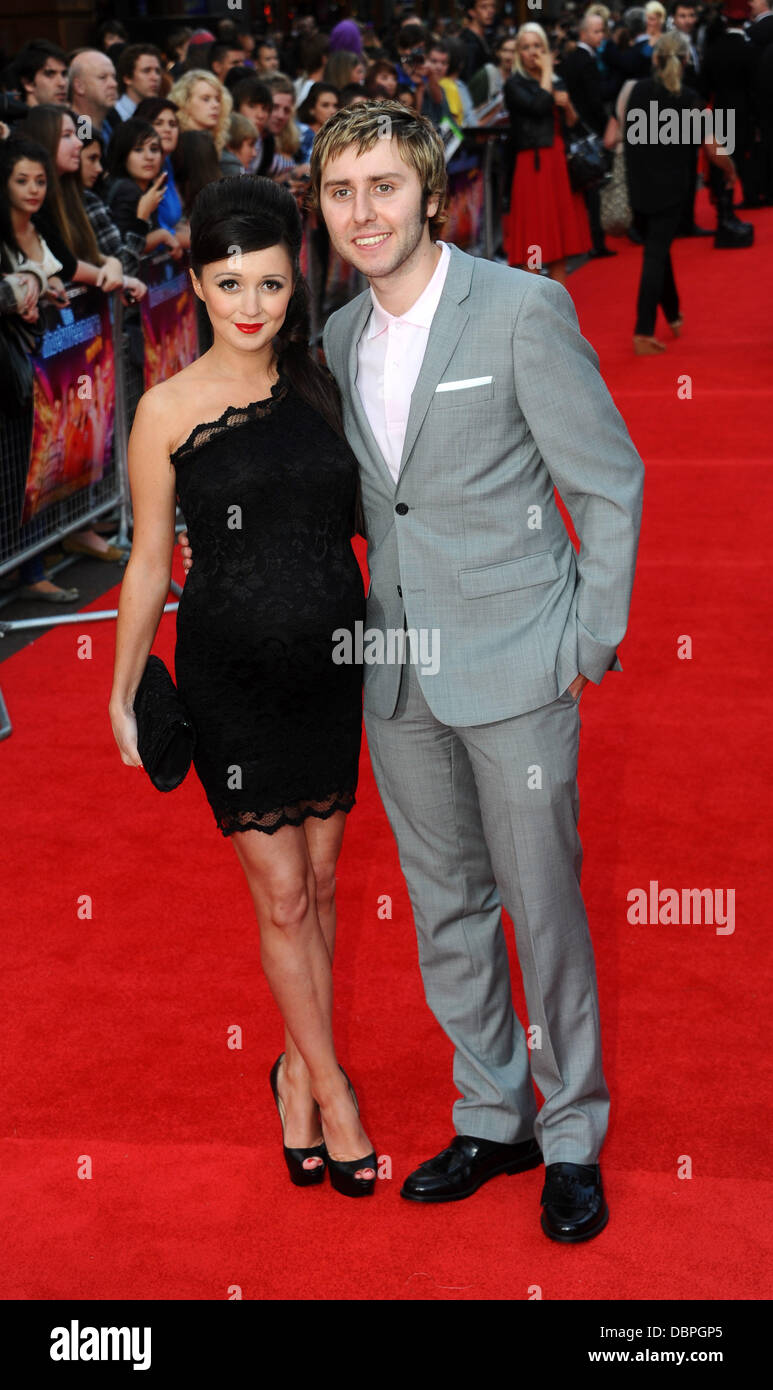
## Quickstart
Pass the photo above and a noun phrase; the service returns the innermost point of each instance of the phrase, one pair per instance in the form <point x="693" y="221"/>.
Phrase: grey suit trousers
<point x="486" y="815"/>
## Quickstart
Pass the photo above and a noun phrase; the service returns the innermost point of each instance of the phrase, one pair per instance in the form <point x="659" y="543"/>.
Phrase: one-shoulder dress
<point x="268" y="495"/>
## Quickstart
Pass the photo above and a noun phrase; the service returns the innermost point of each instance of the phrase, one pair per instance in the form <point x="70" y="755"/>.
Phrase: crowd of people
<point x="105" y="149"/>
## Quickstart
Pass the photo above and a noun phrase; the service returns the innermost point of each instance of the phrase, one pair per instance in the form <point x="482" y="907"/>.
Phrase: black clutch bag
<point x="166" y="737"/>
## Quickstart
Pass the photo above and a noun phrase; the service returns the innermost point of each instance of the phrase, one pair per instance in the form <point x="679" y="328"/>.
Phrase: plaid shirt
<point x="128" y="249"/>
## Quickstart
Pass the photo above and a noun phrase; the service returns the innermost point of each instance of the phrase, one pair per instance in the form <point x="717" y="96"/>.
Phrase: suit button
<point x="401" y="509"/>
<point x="399" y="590"/>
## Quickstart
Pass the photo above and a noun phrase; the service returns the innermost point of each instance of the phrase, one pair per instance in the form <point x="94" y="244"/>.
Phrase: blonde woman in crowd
<point x="205" y="104"/>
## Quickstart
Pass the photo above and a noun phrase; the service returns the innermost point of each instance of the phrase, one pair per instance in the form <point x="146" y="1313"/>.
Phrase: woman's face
<point x="387" y="83"/>
<point x="654" y="24"/>
<point x="246" y="297"/>
<point x="357" y="74"/>
<point x="204" y="106"/>
<point x="91" y="164"/>
<point x="531" y="49"/>
<point x="144" y="163"/>
<point x="27" y="186"/>
<point x="325" y="105"/>
<point x="68" y="151"/>
<point x="167" y="127"/>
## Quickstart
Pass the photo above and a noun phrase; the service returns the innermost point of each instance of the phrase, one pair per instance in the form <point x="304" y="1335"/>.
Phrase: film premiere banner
<point x="168" y="313"/>
<point x="74" y="400"/>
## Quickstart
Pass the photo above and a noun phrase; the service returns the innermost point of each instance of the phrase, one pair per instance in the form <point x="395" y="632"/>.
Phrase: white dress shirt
<point x="389" y="357"/>
<point x="125" y="107"/>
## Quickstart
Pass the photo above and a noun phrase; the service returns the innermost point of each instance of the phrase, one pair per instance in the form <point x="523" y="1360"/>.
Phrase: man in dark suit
<point x="760" y="27"/>
<point x="634" y="61"/>
<point x="683" y="18"/>
<point x="580" y="72"/>
<point x="760" y="32"/>
<point x="725" y="80"/>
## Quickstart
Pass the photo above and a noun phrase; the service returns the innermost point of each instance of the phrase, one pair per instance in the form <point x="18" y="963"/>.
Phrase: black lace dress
<point x="268" y="495"/>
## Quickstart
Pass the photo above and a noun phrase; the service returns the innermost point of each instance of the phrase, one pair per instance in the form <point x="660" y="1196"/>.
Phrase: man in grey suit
<point x="468" y="393"/>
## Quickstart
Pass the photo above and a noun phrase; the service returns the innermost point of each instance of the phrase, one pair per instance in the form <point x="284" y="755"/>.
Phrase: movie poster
<point x="74" y="400"/>
<point x="464" y="226"/>
<point x="168" y="318"/>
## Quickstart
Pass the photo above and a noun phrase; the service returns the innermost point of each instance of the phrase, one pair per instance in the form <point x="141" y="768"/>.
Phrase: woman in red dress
<point x="547" y="221"/>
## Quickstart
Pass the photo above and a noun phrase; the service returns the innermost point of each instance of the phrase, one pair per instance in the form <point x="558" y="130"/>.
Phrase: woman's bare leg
<point x="323" y="841"/>
<point x="297" y="964"/>
<point x="557" y="271"/>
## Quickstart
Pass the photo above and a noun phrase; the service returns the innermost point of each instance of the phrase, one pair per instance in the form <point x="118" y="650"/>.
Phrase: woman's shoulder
<point x="163" y="405"/>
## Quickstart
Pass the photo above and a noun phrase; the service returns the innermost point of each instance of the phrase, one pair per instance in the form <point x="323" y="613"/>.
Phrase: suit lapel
<point x="448" y="322"/>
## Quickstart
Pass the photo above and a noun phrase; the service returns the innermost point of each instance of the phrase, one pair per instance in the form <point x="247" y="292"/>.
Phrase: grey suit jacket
<point x="509" y="401"/>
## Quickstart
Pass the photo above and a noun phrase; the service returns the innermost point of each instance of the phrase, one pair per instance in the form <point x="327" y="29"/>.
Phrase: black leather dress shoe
<point x="464" y="1167"/>
<point x="573" y="1202"/>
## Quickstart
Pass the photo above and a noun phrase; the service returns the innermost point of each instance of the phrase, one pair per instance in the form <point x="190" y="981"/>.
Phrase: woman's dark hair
<point x="254" y="91"/>
<point x="150" y="108"/>
<point x="196" y="166"/>
<point x="254" y="214"/>
<point x="241" y="73"/>
<point x="128" y="136"/>
<point x="380" y="68"/>
<point x="15" y="148"/>
<point x="316" y="90"/>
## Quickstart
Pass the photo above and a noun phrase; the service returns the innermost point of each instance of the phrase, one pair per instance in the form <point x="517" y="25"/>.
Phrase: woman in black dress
<point x="249" y="439"/>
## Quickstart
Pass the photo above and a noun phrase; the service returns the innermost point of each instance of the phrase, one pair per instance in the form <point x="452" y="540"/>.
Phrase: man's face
<point x="438" y="63"/>
<point x="255" y="113"/>
<point x="98" y="82"/>
<point x="371" y="204"/>
<point x="592" y="32"/>
<point x="268" y="58"/>
<point x="145" y="81"/>
<point x="485" y="11"/>
<point x="281" y="111"/>
<point x="684" y="19"/>
<point x="232" y="59"/>
<point x="507" y="55"/>
<point x="49" y="84"/>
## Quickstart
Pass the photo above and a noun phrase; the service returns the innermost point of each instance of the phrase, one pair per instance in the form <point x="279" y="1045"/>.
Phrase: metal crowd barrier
<point x="43" y="429"/>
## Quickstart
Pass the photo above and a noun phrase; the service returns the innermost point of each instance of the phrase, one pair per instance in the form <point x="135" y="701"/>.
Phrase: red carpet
<point x="118" y="1021"/>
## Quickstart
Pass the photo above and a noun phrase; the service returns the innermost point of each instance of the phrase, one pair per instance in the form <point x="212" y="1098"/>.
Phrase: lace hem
<point x="231" y="822"/>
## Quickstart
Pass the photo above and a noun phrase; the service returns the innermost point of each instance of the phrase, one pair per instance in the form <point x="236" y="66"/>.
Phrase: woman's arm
<point x="148" y="574"/>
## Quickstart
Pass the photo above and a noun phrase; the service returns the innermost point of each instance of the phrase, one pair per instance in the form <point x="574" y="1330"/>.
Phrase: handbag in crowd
<point x="18" y="339"/>
<point x="586" y="159"/>
<point x="616" y="213"/>
<point x="166" y="737"/>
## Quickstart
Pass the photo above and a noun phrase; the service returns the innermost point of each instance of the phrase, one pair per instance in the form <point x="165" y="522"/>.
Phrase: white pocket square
<point x="461" y="385"/>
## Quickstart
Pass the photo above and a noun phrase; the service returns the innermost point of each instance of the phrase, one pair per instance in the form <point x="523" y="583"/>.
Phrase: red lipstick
<point x="249" y="327"/>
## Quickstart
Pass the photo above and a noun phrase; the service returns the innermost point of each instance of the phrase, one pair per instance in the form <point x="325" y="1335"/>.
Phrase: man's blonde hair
<point x="363" y="126"/>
